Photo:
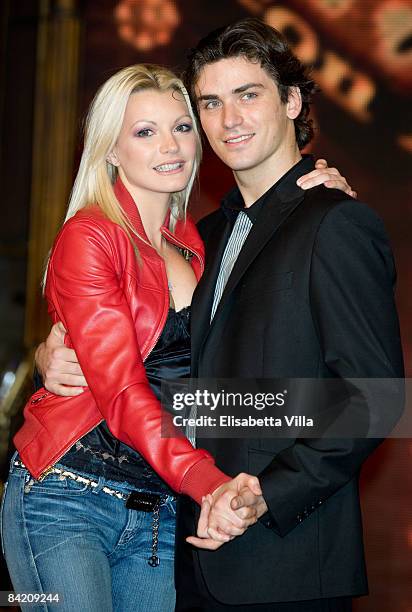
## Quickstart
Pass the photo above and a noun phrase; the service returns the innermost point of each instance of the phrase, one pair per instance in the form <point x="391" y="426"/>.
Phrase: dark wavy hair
<point x="262" y="44"/>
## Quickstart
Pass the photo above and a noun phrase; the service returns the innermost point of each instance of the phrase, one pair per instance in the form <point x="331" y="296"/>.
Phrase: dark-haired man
<point x="299" y="284"/>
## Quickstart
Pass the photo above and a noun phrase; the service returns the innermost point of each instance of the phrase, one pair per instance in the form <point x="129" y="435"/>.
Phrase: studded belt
<point x="136" y="500"/>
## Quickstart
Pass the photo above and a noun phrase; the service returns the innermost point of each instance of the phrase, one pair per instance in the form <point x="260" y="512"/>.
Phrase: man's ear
<point x="113" y="159"/>
<point x="294" y="103"/>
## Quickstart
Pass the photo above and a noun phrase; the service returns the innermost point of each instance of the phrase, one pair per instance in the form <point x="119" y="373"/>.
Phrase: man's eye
<point x="250" y="95"/>
<point x="211" y="104"/>
<point x="184" y="127"/>
<point x="144" y="133"/>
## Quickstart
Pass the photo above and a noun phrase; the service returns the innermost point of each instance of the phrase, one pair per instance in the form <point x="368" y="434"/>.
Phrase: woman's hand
<point x="323" y="175"/>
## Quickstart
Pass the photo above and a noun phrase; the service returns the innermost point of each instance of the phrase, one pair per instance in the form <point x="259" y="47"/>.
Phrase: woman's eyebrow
<point x="144" y="121"/>
<point x="185" y="116"/>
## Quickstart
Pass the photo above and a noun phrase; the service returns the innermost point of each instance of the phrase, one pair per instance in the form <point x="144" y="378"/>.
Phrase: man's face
<point x="246" y="123"/>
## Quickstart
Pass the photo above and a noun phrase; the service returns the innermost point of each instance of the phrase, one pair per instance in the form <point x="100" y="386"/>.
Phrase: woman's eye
<point x="144" y="133"/>
<point x="184" y="127"/>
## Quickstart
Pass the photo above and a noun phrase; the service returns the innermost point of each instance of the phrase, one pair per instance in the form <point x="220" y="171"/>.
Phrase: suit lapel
<point x="203" y="296"/>
<point x="270" y="219"/>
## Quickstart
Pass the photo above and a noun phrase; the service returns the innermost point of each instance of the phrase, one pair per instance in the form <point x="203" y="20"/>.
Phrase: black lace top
<point x="99" y="452"/>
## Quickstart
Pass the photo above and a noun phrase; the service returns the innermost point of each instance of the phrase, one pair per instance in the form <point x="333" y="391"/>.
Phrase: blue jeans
<point x="60" y="536"/>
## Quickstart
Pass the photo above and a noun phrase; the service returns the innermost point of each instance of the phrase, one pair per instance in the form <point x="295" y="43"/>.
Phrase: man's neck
<point x="253" y="183"/>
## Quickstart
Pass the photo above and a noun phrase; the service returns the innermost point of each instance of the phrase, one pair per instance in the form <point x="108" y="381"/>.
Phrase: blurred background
<point x="53" y="56"/>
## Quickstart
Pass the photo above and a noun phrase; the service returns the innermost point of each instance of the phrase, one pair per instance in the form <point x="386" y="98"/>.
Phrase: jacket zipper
<point x="49" y="468"/>
<point x="174" y="240"/>
<point x="158" y="333"/>
<point x="38" y="399"/>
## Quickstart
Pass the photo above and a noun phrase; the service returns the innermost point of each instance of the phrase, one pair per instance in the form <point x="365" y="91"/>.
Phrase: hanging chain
<point x="154" y="560"/>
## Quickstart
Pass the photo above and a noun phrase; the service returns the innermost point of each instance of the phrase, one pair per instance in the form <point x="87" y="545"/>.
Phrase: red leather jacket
<point x="114" y="308"/>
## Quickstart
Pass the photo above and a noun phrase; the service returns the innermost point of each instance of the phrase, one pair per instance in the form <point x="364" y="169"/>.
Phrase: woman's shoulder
<point x="88" y="233"/>
<point x="90" y="221"/>
<point x="91" y="215"/>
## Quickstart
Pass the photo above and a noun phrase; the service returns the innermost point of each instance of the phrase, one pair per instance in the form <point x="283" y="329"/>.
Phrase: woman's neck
<point x="153" y="208"/>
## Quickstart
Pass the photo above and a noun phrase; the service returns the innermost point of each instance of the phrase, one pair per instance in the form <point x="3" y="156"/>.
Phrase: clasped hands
<point x="228" y="512"/>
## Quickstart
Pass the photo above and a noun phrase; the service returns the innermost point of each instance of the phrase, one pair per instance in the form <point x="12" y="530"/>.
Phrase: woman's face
<point x="156" y="147"/>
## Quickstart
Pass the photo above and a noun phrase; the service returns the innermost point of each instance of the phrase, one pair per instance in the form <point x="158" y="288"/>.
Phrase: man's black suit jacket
<point x="310" y="295"/>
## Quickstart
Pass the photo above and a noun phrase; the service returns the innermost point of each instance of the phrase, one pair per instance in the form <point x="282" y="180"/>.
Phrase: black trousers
<point x="192" y="594"/>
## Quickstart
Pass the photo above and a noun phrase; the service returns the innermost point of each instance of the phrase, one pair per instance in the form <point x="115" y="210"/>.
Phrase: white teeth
<point x="168" y="167"/>
<point x="239" y="138"/>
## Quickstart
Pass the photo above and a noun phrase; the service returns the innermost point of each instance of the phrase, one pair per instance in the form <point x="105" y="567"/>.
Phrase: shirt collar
<point x="285" y="189"/>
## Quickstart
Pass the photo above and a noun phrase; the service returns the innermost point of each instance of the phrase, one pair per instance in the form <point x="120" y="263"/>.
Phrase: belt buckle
<point x="145" y="502"/>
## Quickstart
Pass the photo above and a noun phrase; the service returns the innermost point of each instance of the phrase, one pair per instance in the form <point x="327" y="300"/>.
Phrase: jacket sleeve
<point x="353" y="310"/>
<point x="84" y="287"/>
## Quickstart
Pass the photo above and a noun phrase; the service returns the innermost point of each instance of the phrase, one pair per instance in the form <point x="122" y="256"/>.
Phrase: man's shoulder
<point x="339" y="219"/>
<point x="334" y="208"/>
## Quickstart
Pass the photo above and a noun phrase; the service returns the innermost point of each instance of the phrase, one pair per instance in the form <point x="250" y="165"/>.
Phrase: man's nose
<point x="231" y="116"/>
<point x="169" y="144"/>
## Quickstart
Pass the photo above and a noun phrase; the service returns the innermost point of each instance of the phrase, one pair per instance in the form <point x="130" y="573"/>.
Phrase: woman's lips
<point x="170" y="167"/>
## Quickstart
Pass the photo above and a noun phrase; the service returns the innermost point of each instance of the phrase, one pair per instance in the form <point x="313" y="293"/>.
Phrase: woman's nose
<point x="169" y="144"/>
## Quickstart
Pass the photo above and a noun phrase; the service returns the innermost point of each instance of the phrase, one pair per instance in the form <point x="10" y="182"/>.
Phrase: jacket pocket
<point x="252" y="288"/>
<point x="258" y="460"/>
<point x="38" y="396"/>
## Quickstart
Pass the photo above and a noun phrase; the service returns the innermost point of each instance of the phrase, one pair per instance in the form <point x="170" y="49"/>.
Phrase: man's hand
<point x="247" y="499"/>
<point x="330" y="177"/>
<point x="58" y="365"/>
<point x="219" y="522"/>
<point x="223" y="520"/>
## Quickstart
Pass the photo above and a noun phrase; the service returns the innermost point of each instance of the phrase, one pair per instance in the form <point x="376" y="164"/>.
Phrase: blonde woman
<point x="89" y="511"/>
<point x="120" y="277"/>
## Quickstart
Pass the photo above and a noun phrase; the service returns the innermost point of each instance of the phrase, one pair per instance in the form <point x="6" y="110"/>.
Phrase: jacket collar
<point x="184" y="234"/>
<point x="285" y="189"/>
<point x="129" y="207"/>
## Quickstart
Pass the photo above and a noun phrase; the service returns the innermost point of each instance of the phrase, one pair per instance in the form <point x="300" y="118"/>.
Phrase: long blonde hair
<point x="96" y="176"/>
